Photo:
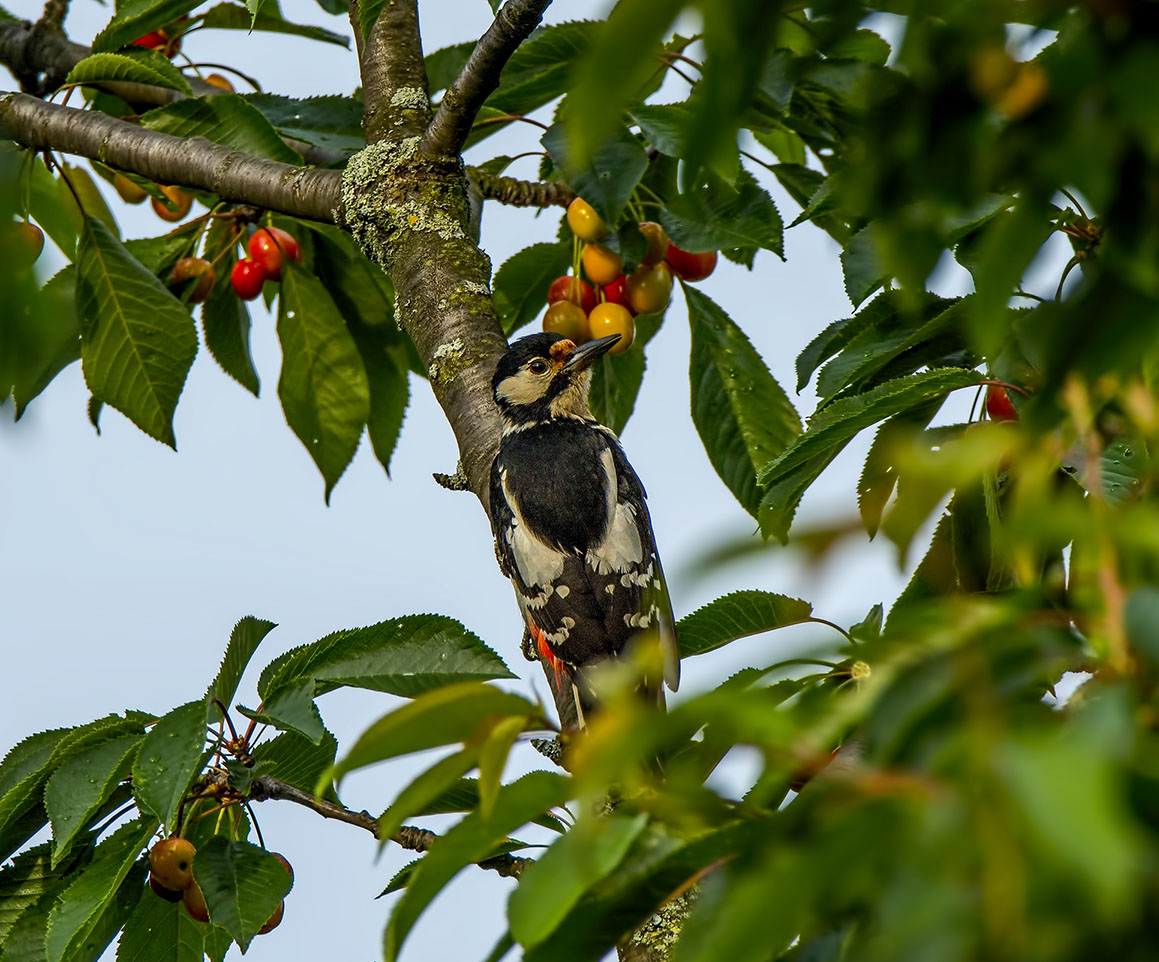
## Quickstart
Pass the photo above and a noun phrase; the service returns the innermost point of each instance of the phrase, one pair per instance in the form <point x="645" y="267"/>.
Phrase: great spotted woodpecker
<point x="572" y="530"/>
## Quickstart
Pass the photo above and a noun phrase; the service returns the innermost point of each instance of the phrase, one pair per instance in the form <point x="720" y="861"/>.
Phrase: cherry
<point x="130" y="193"/>
<point x="159" y="40"/>
<point x="188" y="269"/>
<point x="168" y="894"/>
<point x="195" y="902"/>
<point x="601" y="264"/>
<point x="616" y="292"/>
<point x="649" y="288"/>
<point x="30" y="243"/>
<point x="217" y="80"/>
<point x="269" y="246"/>
<point x="171" y="863"/>
<point x="568" y="319"/>
<point x="609" y="318"/>
<point x="999" y="405"/>
<point x="247" y="278"/>
<point x="180" y="199"/>
<point x="274" y="920"/>
<point x="688" y="266"/>
<point x="574" y="289"/>
<point x="285" y="864"/>
<point x="657" y="241"/>
<point x="584" y="222"/>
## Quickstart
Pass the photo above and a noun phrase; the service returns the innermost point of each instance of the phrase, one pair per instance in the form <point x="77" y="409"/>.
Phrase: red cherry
<point x="998" y="404"/>
<point x="269" y="246"/>
<point x="688" y="266"/>
<point x="563" y="288"/>
<point x="617" y="291"/>
<point x="247" y="278"/>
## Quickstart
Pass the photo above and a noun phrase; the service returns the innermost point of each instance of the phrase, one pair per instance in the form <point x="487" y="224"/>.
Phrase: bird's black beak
<point x="586" y="356"/>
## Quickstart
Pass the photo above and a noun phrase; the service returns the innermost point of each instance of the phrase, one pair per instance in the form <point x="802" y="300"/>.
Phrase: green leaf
<point x="879" y="473"/>
<point x="738" y="615"/>
<point x="469" y="841"/>
<point x="296" y="760"/>
<point x="834" y="337"/>
<point x="520" y="285"/>
<point x="247" y="634"/>
<point x="788" y="147"/>
<point x="786" y="478"/>
<point x="29" y="878"/>
<point x="404" y="656"/>
<point x="428" y="787"/>
<point x="226" y="119"/>
<point x="551" y="886"/>
<point x="1122" y="466"/>
<point x="442" y="717"/>
<point x="169" y="759"/>
<point x="742" y="415"/>
<point x="242" y="885"/>
<point x="389" y="384"/>
<point x="864" y="269"/>
<point x="135" y="18"/>
<point x="232" y="16"/>
<point x="160" y="931"/>
<point x="541" y="67"/>
<point x="496" y="746"/>
<point x="138" y="66"/>
<point x="50" y="335"/>
<point x="77" y="790"/>
<point x="137" y="340"/>
<point x="714" y="216"/>
<point x="78" y="912"/>
<point x="663" y="126"/>
<point x="617" y="378"/>
<point x="225" y="319"/>
<point x="332" y="122"/>
<point x="323" y="386"/>
<point x="445" y="64"/>
<point x="463" y="796"/>
<point x="608" y="179"/>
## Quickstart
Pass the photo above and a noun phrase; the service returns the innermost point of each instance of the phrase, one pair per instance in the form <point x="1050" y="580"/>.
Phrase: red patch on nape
<point x="545" y="652"/>
<point x="561" y="349"/>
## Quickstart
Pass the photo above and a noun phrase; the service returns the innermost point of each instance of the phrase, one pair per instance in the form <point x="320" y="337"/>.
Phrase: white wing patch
<point x="538" y="563"/>
<point x="621" y="548"/>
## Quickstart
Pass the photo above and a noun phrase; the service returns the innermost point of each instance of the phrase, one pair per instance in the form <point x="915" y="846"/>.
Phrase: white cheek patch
<point x="522" y="388"/>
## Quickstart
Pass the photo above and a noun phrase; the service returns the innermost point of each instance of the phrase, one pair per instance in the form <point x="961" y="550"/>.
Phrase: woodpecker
<point x="571" y="526"/>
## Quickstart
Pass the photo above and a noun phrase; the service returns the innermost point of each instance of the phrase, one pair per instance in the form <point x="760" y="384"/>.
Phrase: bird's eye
<point x="537" y="366"/>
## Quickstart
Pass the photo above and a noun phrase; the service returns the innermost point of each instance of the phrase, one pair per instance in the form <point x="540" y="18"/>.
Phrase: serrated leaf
<point x="158" y="254"/>
<point x="77" y="790"/>
<point x="879" y="474"/>
<point x="463" y="796"/>
<point x="400" y="879"/>
<point x="836" y="335"/>
<point x="714" y="216"/>
<point x="78" y="912"/>
<point x="862" y="265"/>
<point x="112" y="919"/>
<point x="135" y="18"/>
<point x="444" y="65"/>
<point x="541" y="68"/>
<point x="786" y="478"/>
<point x="169" y="759"/>
<point x="617" y="378"/>
<point x="445" y="716"/>
<point x="663" y="126"/>
<point x="30" y="876"/>
<point x="132" y="66"/>
<point x="552" y="885"/>
<point x="247" y="634"/>
<point x="296" y="760"/>
<point x="137" y="340"/>
<point x="404" y="656"/>
<point x="242" y="885"/>
<point x="389" y="384"/>
<point x="331" y="122"/>
<point x="520" y="285"/>
<point x="469" y="841"/>
<point x="226" y="119"/>
<point x="232" y="16"/>
<point x="323" y="386"/>
<point x="738" y="615"/>
<point x="225" y="319"/>
<point x="160" y="931"/>
<point x="50" y="338"/>
<point x="740" y="412"/>
<point x="432" y="784"/>
<point x="608" y="179"/>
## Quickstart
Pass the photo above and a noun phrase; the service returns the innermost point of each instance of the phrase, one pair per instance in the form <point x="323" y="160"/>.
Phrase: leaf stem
<point x="835" y="627"/>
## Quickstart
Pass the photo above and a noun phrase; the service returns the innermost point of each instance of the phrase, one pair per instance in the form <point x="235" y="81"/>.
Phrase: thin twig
<point x="460" y="105"/>
<point x="265" y="787"/>
<point x="521" y="193"/>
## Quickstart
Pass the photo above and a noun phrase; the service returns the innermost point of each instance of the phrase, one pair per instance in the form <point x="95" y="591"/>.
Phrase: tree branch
<point x="521" y="193"/>
<point x="266" y="787"/>
<point x="39" y="55"/>
<point x="394" y="77"/>
<point x="512" y="25"/>
<point x="189" y="162"/>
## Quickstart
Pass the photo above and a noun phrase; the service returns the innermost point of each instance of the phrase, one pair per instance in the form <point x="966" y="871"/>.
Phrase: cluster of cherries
<point x="171" y="878"/>
<point x="607" y="301"/>
<point x="268" y="248"/>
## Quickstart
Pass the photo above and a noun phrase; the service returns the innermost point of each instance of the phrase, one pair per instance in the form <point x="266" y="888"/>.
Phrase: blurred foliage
<point x="971" y="776"/>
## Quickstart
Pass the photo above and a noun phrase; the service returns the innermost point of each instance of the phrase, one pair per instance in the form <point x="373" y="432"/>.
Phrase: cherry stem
<point x="226" y="718"/>
<point x="756" y="160"/>
<point x="974" y="403"/>
<point x="1074" y="200"/>
<point x="224" y="66"/>
<point x="1070" y="266"/>
<point x="508" y="117"/>
<point x="1005" y="384"/>
<point x="254" y="822"/>
<point x="680" y="73"/>
<point x="835" y="627"/>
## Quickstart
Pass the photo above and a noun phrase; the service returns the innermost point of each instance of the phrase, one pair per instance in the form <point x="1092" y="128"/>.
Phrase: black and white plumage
<point x="571" y="525"/>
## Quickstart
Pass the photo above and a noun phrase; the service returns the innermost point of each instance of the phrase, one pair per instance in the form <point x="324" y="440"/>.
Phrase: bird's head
<point x="546" y="376"/>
